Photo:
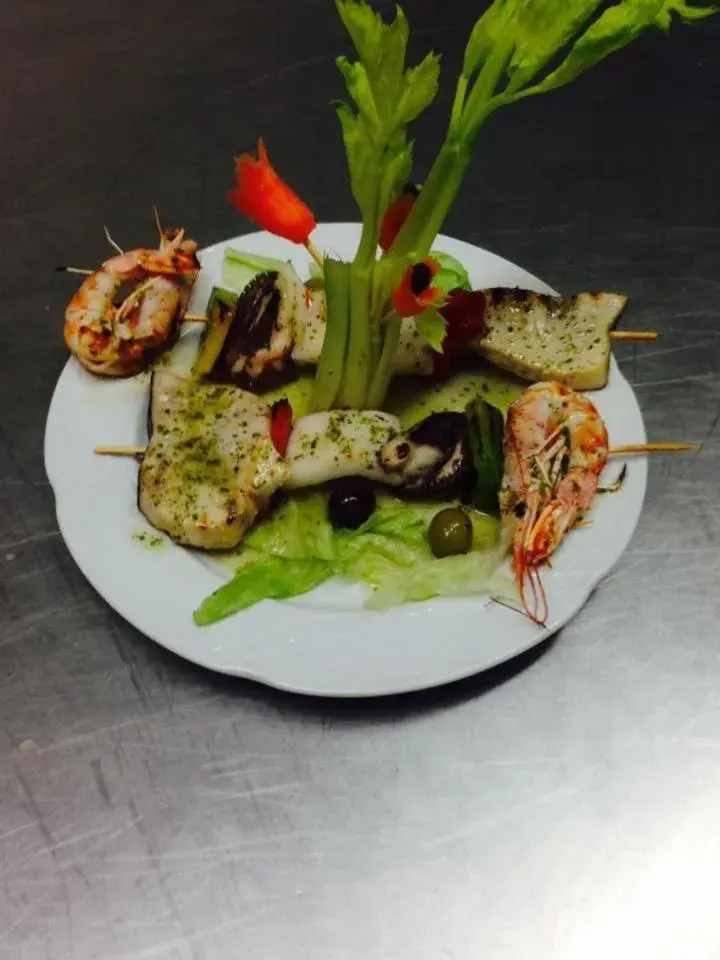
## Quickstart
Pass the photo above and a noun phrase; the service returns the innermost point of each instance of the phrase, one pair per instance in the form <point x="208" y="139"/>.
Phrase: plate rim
<point x="527" y="640"/>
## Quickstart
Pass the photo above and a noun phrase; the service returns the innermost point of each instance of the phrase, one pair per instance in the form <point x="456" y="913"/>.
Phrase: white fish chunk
<point x="210" y="465"/>
<point x="538" y="337"/>
<point x="339" y="443"/>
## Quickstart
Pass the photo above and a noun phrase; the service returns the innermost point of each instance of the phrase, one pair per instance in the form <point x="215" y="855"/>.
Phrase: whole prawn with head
<point x="118" y="339"/>
<point x="555" y="447"/>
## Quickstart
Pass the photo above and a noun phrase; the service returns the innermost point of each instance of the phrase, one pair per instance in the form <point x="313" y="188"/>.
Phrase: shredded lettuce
<point x="452" y="273"/>
<point x="238" y="268"/>
<point x="298" y="528"/>
<point x="466" y="575"/>
<point x="296" y="549"/>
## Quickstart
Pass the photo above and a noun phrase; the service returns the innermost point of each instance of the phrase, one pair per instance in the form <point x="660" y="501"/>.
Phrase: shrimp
<point x="555" y="447"/>
<point x="118" y="340"/>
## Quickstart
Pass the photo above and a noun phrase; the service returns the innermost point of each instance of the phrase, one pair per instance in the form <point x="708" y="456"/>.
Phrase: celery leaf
<point x="431" y="327"/>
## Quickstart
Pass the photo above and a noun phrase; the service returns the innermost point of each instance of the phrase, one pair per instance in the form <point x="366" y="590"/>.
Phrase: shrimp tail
<point x="529" y="580"/>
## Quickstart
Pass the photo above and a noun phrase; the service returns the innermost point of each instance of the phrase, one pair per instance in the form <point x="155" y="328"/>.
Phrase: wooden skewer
<point x="81" y="270"/>
<point x="634" y="335"/>
<point x="125" y="451"/>
<point x="652" y="448"/>
<point x="639" y="335"/>
<point x="119" y="451"/>
<point x="614" y="334"/>
<point x="314" y="252"/>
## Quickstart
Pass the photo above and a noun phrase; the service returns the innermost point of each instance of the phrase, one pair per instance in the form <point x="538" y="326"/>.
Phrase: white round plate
<point x="324" y="643"/>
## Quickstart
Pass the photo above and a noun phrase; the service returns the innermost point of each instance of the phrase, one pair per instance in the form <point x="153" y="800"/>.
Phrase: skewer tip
<point x="119" y="451"/>
<point x="314" y="252"/>
<point x="654" y="448"/>
<point x="634" y="335"/>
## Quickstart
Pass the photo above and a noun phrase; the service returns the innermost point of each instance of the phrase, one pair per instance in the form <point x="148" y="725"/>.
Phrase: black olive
<point x="351" y="503"/>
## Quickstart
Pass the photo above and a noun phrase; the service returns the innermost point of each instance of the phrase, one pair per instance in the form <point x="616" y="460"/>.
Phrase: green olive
<point x="486" y="530"/>
<point x="450" y="532"/>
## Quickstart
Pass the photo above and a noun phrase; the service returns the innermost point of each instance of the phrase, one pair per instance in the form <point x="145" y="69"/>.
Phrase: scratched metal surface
<point x="565" y="806"/>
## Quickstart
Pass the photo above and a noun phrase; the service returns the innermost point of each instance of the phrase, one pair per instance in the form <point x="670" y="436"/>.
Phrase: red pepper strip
<point x="396" y="215"/>
<point x="464" y="313"/>
<point x="415" y="291"/>
<point x="281" y="416"/>
<point x="263" y="197"/>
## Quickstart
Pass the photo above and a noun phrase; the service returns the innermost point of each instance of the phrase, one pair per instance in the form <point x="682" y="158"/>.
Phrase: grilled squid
<point x="432" y="459"/>
<point x="340" y="443"/>
<point x="264" y="327"/>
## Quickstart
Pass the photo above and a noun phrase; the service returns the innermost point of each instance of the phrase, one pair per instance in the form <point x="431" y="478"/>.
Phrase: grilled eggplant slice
<point x="220" y="315"/>
<point x="210" y="466"/>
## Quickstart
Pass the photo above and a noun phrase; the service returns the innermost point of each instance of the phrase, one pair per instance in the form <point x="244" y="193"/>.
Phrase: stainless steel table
<point x="565" y="806"/>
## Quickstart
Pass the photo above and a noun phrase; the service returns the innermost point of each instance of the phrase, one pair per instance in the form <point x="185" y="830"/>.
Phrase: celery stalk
<point x="512" y="53"/>
<point x="384" y="370"/>
<point x="331" y="369"/>
<point x="470" y="110"/>
<point x="358" y="363"/>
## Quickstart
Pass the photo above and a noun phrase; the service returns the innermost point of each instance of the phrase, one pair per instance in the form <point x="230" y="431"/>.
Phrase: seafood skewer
<point x="532" y="335"/>
<point x="118" y="340"/>
<point x="629" y="335"/>
<point x="122" y="450"/>
<point x="214" y="460"/>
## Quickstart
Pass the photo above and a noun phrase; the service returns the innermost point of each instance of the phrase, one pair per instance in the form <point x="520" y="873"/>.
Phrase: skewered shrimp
<point x="556" y="447"/>
<point x="118" y="340"/>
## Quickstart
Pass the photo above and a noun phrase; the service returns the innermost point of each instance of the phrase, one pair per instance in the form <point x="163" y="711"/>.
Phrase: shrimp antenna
<point x="157" y="223"/>
<point x="112" y="242"/>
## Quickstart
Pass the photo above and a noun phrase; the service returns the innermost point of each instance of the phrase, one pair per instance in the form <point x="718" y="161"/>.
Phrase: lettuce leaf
<point x="272" y="578"/>
<point x="296" y="549"/>
<point x="298" y="528"/>
<point x="452" y="273"/>
<point x="239" y="268"/>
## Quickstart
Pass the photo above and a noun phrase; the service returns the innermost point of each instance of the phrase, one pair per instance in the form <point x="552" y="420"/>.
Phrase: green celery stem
<point x="329" y="375"/>
<point x="433" y="205"/>
<point x="384" y="371"/>
<point x="356" y="377"/>
<point x="439" y="191"/>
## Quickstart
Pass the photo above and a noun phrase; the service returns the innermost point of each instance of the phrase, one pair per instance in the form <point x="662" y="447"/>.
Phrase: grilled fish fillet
<point x="539" y="337"/>
<point x="210" y="465"/>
